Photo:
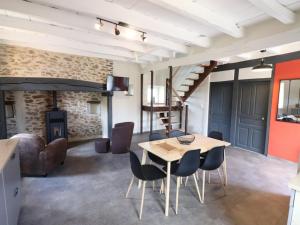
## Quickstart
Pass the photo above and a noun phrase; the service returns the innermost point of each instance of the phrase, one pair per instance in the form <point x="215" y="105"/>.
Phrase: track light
<point x="117" y="31"/>
<point x="129" y="31"/>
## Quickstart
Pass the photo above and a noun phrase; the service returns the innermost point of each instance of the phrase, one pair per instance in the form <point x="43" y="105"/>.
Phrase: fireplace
<point x="56" y="122"/>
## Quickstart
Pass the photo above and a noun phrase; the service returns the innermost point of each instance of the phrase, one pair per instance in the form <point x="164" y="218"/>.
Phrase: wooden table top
<point x="170" y="149"/>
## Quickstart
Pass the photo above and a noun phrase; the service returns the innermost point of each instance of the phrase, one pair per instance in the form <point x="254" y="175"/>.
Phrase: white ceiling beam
<point x="203" y="15"/>
<point x="261" y="36"/>
<point x="24" y="36"/>
<point x="69" y="33"/>
<point x="85" y="23"/>
<point x="275" y="9"/>
<point x="113" y="11"/>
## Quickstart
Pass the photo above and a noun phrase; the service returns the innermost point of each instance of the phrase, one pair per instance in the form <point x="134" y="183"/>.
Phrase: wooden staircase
<point x="196" y="81"/>
<point x="186" y="89"/>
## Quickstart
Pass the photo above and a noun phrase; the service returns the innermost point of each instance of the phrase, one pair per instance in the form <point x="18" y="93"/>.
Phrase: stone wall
<point x="27" y="62"/>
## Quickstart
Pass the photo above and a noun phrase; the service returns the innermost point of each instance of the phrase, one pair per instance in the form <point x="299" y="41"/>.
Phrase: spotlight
<point x="143" y="37"/>
<point x="117" y="31"/>
<point x="99" y="24"/>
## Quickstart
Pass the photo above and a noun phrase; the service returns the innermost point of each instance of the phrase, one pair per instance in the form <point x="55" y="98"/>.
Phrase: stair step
<point x="186" y="85"/>
<point x="189" y="78"/>
<point x="172" y="123"/>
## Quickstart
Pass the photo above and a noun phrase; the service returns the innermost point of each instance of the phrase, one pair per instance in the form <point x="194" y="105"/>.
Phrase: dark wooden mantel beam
<point x="3" y="131"/>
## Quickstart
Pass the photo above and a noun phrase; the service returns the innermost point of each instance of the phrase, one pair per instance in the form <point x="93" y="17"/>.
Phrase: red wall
<point x="284" y="139"/>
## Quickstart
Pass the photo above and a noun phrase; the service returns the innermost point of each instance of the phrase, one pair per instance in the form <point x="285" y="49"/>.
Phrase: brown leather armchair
<point x="38" y="159"/>
<point x="121" y="137"/>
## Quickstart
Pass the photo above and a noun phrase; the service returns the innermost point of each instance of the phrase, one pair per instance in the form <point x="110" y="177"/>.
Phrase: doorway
<point x="252" y="115"/>
<point x="250" y="121"/>
<point x="220" y="108"/>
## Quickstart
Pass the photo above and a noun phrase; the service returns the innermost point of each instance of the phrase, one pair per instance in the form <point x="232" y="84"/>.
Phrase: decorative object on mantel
<point x="130" y="91"/>
<point x="186" y="140"/>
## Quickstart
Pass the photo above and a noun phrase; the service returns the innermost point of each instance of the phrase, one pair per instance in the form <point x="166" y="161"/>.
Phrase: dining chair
<point x="187" y="166"/>
<point x="154" y="158"/>
<point x="216" y="135"/>
<point x="213" y="134"/>
<point x="176" y="133"/>
<point x="144" y="173"/>
<point x="212" y="161"/>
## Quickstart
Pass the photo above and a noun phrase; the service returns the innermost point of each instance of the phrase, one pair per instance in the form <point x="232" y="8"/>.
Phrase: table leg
<point x="143" y="162"/>
<point x="225" y="168"/>
<point x="168" y="189"/>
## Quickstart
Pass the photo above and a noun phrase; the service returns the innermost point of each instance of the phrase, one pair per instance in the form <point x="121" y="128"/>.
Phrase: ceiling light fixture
<point x="117" y="31"/>
<point x="262" y="66"/>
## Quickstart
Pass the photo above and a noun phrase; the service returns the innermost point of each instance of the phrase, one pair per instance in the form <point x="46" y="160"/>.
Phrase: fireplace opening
<point x="56" y="122"/>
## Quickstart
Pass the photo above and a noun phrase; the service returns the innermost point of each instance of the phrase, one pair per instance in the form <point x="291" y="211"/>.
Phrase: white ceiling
<point x="174" y="28"/>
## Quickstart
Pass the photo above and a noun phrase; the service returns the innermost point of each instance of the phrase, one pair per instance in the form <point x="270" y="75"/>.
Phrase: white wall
<point x="124" y="108"/>
<point x="127" y="108"/>
<point x="222" y="76"/>
<point x="248" y="73"/>
<point x="198" y="104"/>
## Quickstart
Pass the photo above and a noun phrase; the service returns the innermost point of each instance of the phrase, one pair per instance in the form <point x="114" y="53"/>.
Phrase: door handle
<point x="16" y="192"/>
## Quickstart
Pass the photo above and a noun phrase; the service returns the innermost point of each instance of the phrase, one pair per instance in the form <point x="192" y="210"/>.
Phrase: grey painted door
<point x="220" y="108"/>
<point x="252" y="115"/>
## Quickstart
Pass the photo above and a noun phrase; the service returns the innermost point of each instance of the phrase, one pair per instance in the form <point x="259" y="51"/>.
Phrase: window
<point x="159" y="94"/>
<point x="94" y="107"/>
<point x="10" y="109"/>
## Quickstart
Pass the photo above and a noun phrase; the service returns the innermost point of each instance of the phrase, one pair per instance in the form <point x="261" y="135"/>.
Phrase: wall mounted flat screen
<point x="117" y="83"/>
<point x="289" y="101"/>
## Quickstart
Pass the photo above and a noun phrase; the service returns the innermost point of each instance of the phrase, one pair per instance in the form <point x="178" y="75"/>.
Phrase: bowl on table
<point x="186" y="140"/>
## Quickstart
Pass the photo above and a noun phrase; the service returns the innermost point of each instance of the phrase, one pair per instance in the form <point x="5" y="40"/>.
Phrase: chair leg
<point x="153" y="185"/>
<point x="203" y="185"/>
<point x="177" y="193"/>
<point x="223" y="184"/>
<point x="142" y="202"/>
<point x="161" y="191"/>
<point x="130" y="184"/>
<point x="196" y="183"/>
<point x="208" y="177"/>
<point x="186" y="180"/>
<point x="181" y="179"/>
<point x="197" y="175"/>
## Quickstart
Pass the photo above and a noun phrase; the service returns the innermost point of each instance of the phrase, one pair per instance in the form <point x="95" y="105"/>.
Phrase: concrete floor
<point x="90" y="188"/>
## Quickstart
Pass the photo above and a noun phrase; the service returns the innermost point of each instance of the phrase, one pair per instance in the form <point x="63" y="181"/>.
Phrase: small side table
<point x="102" y="145"/>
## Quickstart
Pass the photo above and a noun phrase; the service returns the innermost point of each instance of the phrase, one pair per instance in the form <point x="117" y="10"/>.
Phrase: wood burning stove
<point x="56" y="122"/>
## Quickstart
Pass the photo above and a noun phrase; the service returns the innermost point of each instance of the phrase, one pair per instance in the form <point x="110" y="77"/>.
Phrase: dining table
<point x="171" y="150"/>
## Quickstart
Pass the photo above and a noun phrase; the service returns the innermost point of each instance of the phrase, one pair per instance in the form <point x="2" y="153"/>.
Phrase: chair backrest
<point x="189" y="163"/>
<point x="136" y="166"/>
<point x="155" y="137"/>
<point x="176" y="133"/>
<point x="124" y="124"/>
<point x="216" y="135"/>
<point x="213" y="159"/>
<point x="121" y="138"/>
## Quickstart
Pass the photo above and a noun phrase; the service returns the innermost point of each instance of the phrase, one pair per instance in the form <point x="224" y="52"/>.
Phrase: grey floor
<point x="90" y="188"/>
